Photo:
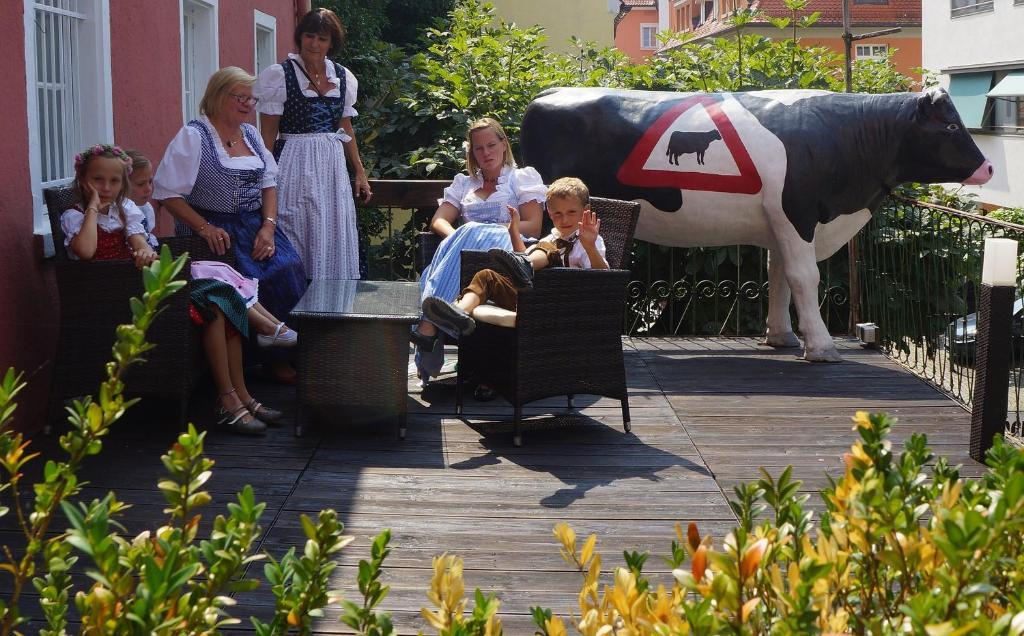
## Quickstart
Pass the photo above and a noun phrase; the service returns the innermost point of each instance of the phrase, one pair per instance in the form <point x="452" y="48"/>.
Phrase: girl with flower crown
<point x="105" y="223"/>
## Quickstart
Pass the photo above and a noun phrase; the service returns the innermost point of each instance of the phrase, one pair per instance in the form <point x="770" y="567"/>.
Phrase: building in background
<point x="588" y="20"/>
<point x="703" y="19"/>
<point x="637" y="25"/>
<point x="977" y="48"/>
<point x="97" y="71"/>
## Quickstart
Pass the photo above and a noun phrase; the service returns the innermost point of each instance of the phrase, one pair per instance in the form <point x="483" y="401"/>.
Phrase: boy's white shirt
<point x="578" y="257"/>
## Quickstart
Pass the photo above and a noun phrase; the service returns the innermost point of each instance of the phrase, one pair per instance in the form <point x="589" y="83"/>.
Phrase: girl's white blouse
<point x="110" y="221"/>
<point x="180" y="166"/>
<point x="271" y="90"/>
<point x="519" y="185"/>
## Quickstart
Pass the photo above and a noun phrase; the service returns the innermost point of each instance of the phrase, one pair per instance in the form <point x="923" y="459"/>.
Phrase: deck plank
<point x="707" y="413"/>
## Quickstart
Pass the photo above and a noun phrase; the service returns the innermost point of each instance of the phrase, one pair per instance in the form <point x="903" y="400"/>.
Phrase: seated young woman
<point x="480" y="198"/>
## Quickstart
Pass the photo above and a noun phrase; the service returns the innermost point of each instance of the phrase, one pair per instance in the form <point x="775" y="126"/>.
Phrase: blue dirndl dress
<point x="233" y="200"/>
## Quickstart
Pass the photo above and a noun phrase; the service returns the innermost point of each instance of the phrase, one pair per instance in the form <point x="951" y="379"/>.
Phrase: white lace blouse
<point x="179" y="168"/>
<point x="271" y="90"/>
<point x="515" y="186"/>
<point x="110" y="221"/>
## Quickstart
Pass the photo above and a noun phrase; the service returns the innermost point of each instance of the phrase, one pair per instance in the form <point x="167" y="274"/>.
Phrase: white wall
<point x="980" y="40"/>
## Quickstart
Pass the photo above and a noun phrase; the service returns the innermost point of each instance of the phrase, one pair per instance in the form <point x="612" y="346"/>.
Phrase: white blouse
<point x="180" y="166"/>
<point x="150" y="214"/>
<point x="517" y="185"/>
<point x="110" y="221"/>
<point x="271" y="90"/>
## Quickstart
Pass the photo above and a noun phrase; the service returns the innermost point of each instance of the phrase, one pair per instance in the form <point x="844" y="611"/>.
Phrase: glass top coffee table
<point x="353" y="351"/>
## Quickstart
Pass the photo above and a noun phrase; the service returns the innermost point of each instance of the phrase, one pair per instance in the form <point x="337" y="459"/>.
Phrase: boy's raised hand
<point x="590" y="227"/>
<point x="513" y="220"/>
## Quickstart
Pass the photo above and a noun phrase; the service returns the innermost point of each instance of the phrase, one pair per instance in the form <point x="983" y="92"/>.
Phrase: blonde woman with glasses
<point x="219" y="181"/>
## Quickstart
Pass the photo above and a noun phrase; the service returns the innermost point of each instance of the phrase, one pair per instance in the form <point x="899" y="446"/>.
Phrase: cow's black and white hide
<point x="796" y="172"/>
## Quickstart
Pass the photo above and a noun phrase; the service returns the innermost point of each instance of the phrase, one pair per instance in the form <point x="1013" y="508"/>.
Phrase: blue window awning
<point x="1010" y="86"/>
<point x="970" y="94"/>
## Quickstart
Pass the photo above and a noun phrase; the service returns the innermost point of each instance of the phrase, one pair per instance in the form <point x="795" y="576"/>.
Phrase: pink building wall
<point x="627" y="34"/>
<point x="146" y="75"/>
<point x="28" y="298"/>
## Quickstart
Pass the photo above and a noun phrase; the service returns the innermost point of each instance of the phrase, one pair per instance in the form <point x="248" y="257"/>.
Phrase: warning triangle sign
<point x="692" y="146"/>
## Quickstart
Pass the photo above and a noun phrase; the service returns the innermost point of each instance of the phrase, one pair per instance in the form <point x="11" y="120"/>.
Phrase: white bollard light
<point x="999" y="266"/>
<point x="992" y="339"/>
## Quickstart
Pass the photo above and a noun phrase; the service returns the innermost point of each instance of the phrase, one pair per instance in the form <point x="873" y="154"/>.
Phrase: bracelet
<point x="271" y="219"/>
<point x="200" y="230"/>
<point x="94" y="209"/>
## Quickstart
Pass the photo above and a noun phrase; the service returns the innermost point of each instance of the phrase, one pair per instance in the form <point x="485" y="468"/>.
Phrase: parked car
<point x="961" y="333"/>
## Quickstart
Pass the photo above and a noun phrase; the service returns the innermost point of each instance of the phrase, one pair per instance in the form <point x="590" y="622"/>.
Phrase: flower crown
<point x="103" y="150"/>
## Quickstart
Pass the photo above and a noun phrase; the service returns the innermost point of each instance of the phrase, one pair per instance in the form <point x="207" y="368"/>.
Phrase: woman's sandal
<point x="265" y="413"/>
<point x="239" y="420"/>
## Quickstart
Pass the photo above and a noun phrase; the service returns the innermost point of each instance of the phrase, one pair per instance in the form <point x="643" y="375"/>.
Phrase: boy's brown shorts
<point x="489" y="285"/>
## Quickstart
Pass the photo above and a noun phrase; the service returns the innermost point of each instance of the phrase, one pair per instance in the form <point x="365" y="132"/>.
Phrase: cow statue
<point x="798" y="172"/>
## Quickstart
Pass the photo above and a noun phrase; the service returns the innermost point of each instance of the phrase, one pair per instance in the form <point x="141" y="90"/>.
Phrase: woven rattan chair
<point x="567" y="338"/>
<point x="93" y="301"/>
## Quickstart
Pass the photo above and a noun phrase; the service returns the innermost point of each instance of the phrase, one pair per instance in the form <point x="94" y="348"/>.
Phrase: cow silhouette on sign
<point x="684" y="143"/>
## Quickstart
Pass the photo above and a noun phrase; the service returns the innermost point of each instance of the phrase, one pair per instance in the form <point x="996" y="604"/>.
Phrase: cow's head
<point x="937" y="147"/>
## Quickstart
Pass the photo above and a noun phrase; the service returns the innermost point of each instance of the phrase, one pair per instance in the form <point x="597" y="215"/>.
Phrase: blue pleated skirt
<point x="442" y="276"/>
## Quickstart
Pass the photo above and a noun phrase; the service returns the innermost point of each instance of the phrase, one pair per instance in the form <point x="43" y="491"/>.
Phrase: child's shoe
<point x="282" y="337"/>
<point x="448" y="316"/>
<point x="515" y="266"/>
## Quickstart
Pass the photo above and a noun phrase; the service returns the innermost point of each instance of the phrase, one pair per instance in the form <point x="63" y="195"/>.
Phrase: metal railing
<point x="720" y="291"/>
<point x="920" y="267"/>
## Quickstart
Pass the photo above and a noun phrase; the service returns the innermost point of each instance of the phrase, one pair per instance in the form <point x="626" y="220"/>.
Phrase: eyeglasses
<point x="247" y="100"/>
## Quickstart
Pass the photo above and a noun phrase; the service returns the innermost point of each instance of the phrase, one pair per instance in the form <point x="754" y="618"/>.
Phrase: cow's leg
<point x="801" y="269"/>
<point x="780" y="325"/>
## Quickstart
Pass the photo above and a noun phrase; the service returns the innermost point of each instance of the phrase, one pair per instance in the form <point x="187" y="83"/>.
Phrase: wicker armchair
<point x="567" y="338"/>
<point x="93" y="301"/>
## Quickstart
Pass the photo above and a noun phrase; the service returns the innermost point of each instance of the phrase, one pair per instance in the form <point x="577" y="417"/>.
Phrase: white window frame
<point x="208" y="48"/>
<point x="95" y="115"/>
<point x="267" y="23"/>
<point x="652" y="28"/>
<point x="974" y="6"/>
<point x="874" y="51"/>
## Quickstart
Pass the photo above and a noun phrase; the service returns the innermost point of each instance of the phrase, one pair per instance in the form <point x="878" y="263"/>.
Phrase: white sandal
<point x="282" y="337"/>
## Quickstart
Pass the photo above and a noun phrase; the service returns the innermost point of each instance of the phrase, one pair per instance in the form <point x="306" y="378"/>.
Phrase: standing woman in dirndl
<point x="305" y="116"/>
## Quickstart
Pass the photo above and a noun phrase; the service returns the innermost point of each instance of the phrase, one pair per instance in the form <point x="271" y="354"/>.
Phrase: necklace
<point x="231" y="143"/>
<point x="490" y="180"/>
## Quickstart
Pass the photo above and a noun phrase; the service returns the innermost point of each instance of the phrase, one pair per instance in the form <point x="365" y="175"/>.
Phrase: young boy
<point x="575" y="241"/>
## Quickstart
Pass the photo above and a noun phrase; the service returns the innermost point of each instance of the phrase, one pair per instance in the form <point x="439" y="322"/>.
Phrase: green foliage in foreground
<point x="906" y="545"/>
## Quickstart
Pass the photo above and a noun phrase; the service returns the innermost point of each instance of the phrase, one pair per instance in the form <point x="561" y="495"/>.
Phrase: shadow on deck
<point x="706" y="414"/>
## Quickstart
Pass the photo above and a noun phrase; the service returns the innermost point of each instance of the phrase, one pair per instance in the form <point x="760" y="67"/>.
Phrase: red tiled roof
<point x="895" y="12"/>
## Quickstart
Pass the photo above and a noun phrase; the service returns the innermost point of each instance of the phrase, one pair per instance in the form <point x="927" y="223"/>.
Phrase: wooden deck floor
<point x="707" y="414"/>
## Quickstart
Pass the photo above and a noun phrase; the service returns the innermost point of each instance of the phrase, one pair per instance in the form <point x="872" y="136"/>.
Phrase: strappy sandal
<point x="264" y="413"/>
<point x="239" y="420"/>
<point x="283" y="336"/>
